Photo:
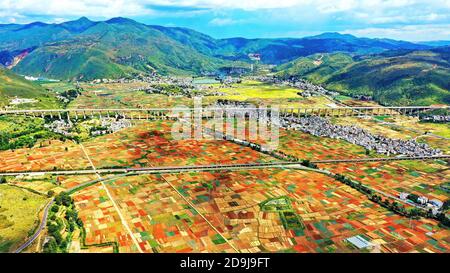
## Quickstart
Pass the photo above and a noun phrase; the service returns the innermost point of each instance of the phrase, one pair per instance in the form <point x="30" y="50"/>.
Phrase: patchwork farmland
<point x="301" y="207"/>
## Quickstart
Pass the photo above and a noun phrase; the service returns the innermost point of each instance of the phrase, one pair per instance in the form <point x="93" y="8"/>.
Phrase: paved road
<point x="165" y="169"/>
<point x="38" y="231"/>
<point x="194" y="168"/>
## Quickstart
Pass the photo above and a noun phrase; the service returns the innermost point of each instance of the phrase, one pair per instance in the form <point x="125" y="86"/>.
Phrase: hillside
<point x="84" y="49"/>
<point x="392" y="78"/>
<point x="12" y="86"/>
<point x="316" y="68"/>
<point x="115" y="48"/>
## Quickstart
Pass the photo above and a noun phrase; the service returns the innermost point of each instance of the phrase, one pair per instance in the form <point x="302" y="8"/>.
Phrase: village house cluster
<point x="310" y="89"/>
<point x="319" y="126"/>
<point x="107" y="125"/>
<point x="17" y="101"/>
<point x="436" y="118"/>
<point x="434" y="205"/>
<point x="110" y="125"/>
<point x="60" y="126"/>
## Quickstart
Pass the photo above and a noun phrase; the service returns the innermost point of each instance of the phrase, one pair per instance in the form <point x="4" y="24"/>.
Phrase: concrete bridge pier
<point x="352" y="113"/>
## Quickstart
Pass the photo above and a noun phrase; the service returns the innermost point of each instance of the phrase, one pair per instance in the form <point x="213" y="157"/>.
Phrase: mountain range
<point x="84" y="49"/>
<point x="393" y="72"/>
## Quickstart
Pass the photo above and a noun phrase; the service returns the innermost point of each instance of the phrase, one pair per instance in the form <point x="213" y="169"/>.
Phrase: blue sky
<point x="414" y="20"/>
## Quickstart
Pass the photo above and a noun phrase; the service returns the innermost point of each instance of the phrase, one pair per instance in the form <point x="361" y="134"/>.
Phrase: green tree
<point x="51" y="246"/>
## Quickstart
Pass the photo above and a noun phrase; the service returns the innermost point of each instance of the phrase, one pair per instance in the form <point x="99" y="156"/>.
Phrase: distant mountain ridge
<point x="436" y="43"/>
<point x="84" y="49"/>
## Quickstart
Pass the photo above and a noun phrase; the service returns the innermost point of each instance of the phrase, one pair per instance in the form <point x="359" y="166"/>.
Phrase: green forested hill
<point x="316" y="68"/>
<point x="392" y="78"/>
<point x="115" y="48"/>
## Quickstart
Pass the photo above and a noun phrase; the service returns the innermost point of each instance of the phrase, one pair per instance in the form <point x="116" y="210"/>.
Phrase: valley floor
<point x="286" y="209"/>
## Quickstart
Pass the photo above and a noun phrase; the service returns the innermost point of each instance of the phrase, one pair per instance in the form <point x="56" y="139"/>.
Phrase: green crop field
<point x="18" y="215"/>
<point x="258" y="90"/>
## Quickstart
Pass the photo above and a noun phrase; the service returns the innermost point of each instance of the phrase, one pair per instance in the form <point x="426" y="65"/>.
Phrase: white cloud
<point x="233" y="4"/>
<point x="410" y="32"/>
<point x="97" y="8"/>
<point x="226" y="21"/>
<point x="139" y="7"/>
<point x="222" y="21"/>
<point x="373" y="15"/>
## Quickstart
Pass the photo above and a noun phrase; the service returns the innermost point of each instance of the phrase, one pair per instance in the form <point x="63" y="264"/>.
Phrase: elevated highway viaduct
<point x="208" y="112"/>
